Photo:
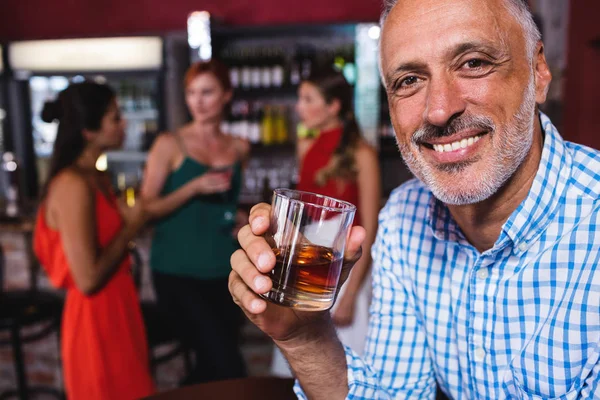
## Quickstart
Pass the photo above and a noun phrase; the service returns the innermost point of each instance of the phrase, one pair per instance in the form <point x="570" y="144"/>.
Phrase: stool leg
<point x="19" y="362"/>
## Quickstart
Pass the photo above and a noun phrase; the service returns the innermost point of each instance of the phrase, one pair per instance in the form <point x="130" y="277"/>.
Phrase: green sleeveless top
<point x="196" y="239"/>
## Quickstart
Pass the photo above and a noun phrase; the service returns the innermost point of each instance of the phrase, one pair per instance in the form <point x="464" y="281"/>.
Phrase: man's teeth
<point x="459" y="144"/>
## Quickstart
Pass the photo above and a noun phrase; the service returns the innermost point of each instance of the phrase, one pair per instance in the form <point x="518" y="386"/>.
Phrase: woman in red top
<point x="339" y="163"/>
<point x="81" y="239"/>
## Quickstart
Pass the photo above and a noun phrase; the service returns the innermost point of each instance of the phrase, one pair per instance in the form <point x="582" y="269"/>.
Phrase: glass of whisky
<point x="308" y="234"/>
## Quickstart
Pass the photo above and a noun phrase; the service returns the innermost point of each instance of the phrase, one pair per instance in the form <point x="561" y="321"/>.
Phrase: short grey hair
<point x="517" y="8"/>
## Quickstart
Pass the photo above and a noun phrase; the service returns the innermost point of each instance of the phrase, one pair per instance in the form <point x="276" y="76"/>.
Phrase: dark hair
<point x="215" y="67"/>
<point x="78" y="107"/>
<point x="332" y="85"/>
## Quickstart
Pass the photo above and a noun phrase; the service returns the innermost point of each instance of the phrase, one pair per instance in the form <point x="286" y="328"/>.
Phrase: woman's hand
<point x="133" y="216"/>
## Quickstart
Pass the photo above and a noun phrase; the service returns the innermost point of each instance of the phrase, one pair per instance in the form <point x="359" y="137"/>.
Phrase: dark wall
<point x="37" y="19"/>
<point x="582" y="84"/>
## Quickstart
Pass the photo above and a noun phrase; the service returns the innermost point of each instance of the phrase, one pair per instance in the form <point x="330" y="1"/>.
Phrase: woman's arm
<point x="72" y="206"/>
<point x="369" y="193"/>
<point x="158" y="167"/>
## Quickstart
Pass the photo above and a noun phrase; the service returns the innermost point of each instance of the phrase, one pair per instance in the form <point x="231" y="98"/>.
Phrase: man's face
<point x="462" y="94"/>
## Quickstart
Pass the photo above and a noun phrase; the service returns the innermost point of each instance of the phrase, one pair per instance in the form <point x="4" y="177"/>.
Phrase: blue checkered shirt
<point x="518" y="321"/>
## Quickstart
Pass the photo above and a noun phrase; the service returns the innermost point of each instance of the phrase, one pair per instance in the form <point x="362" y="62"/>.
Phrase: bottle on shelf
<point x="277" y="70"/>
<point x="244" y="123"/>
<point x="255" y="123"/>
<point x="246" y="73"/>
<point x="235" y="74"/>
<point x="266" y="70"/>
<point x="255" y="69"/>
<point x="268" y="127"/>
<point x="281" y="130"/>
<point x="295" y="72"/>
<point x="306" y="63"/>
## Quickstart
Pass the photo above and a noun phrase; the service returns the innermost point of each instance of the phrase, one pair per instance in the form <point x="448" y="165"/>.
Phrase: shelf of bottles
<point x="276" y="66"/>
<point x="259" y="122"/>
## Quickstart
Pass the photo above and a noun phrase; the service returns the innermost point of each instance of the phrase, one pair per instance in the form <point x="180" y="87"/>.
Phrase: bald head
<point x="517" y="8"/>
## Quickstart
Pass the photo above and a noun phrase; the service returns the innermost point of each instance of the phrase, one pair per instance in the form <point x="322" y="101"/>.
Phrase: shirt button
<point x="522" y="246"/>
<point x="479" y="354"/>
<point x="483" y="273"/>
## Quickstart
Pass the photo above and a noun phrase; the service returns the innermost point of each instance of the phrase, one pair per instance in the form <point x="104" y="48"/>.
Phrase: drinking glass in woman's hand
<point x="133" y="215"/>
<point x="212" y="182"/>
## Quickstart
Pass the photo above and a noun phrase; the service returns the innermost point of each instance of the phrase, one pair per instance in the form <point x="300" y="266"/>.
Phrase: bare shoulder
<point x="70" y="178"/>
<point x="165" y="142"/>
<point x="69" y="186"/>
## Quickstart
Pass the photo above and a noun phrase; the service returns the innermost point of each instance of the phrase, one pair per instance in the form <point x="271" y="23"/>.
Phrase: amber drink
<point x="308" y="234"/>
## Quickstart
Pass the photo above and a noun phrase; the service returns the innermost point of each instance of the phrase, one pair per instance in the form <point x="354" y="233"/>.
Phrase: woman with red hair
<point x="191" y="188"/>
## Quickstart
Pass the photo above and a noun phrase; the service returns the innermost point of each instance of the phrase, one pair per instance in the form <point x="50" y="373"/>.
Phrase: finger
<point x="354" y="242"/>
<point x="250" y="275"/>
<point x="244" y="297"/>
<point x="259" y="218"/>
<point x="257" y="249"/>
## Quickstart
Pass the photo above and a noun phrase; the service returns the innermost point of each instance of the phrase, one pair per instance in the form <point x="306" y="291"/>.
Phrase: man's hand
<point x="249" y="278"/>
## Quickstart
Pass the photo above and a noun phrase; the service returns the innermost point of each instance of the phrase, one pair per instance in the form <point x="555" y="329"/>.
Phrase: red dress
<point x="317" y="157"/>
<point x="103" y="341"/>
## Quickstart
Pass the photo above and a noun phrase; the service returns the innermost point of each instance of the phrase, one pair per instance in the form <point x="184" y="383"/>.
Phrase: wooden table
<point x="254" y="388"/>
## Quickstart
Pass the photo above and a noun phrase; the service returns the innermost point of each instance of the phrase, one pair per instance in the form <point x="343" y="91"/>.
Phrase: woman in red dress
<point x="339" y="163"/>
<point x="81" y="238"/>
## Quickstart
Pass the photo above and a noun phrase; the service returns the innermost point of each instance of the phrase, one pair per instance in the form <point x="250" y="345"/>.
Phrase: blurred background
<point x="143" y="47"/>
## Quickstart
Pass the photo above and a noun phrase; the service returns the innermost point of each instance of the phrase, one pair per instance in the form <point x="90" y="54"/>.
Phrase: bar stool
<point x="21" y="309"/>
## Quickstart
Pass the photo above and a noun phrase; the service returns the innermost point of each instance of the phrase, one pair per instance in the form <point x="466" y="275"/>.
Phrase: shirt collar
<point x="535" y="212"/>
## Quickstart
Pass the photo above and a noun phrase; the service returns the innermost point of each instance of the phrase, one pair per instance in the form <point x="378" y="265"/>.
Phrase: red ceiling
<point x="37" y="19"/>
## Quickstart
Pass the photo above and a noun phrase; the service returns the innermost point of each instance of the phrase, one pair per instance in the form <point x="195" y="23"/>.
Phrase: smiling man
<point x="485" y="269"/>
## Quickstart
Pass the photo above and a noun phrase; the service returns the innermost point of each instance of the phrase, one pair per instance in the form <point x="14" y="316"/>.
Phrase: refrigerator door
<point x="138" y="99"/>
<point x="42" y="89"/>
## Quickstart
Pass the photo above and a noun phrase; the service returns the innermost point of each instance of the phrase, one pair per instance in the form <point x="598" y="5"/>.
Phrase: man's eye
<point x="476" y="63"/>
<point x="409" y="81"/>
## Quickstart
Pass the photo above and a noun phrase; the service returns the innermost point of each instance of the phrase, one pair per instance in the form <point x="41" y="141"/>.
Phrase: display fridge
<point x="132" y="66"/>
<point x="4" y="182"/>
